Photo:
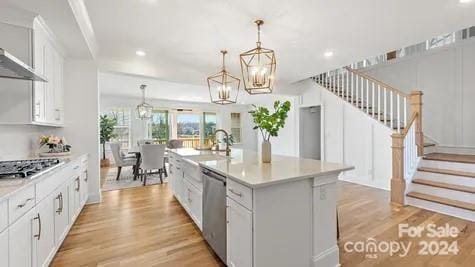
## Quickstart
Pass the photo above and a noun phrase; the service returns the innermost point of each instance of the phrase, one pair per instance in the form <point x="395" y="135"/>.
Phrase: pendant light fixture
<point x="258" y="67"/>
<point x="144" y="110"/>
<point x="223" y="87"/>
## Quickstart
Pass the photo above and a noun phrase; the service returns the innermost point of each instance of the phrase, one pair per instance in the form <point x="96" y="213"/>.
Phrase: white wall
<point x="81" y="127"/>
<point x="446" y="76"/>
<point x="223" y="115"/>
<point x="350" y="136"/>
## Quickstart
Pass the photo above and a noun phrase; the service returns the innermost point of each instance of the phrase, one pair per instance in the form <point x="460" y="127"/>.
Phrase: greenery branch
<point x="268" y="123"/>
<point x="107" y="131"/>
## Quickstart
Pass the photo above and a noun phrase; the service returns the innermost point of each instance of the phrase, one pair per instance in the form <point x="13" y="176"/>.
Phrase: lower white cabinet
<point x="193" y="200"/>
<point x="22" y="247"/>
<point x="61" y="213"/>
<point x="239" y="235"/>
<point x="32" y="239"/>
<point x="4" y="248"/>
<point x="45" y="236"/>
<point x="74" y="197"/>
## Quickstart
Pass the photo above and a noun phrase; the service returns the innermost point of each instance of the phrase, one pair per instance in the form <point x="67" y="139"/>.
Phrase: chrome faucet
<point x="228" y="150"/>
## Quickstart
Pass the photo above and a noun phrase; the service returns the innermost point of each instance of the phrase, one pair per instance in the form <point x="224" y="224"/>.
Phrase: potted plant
<point x="222" y="142"/>
<point x="269" y="124"/>
<point x="107" y="133"/>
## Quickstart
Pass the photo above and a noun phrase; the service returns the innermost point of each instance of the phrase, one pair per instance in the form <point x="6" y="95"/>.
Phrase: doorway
<point x="310" y="132"/>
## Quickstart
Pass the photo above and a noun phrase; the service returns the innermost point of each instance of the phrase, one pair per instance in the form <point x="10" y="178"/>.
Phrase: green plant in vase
<point x="269" y="124"/>
<point x="107" y="125"/>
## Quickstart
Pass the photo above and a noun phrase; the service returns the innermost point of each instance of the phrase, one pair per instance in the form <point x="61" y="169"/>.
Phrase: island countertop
<point x="245" y="166"/>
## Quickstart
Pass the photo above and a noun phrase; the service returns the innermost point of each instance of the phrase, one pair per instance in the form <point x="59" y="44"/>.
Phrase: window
<point x="209" y="127"/>
<point x="188" y="128"/>
<point x="122" y="129"/>
<point x="158" y="127"/>
<point x="236" y="130"/>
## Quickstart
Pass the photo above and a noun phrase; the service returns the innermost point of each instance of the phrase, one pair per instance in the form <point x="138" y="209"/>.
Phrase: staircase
<point x="444" y="183"/>
<point x="439" y="182"/>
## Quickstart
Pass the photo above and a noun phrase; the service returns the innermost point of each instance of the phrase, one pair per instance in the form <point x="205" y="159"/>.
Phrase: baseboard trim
<point x="329" y="257"/>
<point x="93" y="199"/>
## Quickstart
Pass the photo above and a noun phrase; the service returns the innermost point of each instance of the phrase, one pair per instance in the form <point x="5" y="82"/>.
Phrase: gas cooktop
<point x="27" y="168"/>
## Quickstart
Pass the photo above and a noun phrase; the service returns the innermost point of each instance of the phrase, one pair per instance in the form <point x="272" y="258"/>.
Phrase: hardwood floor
<point x="146" y="226"/>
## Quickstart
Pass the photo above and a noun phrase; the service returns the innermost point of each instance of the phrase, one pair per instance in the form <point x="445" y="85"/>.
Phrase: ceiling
<point x="182" y="38"/>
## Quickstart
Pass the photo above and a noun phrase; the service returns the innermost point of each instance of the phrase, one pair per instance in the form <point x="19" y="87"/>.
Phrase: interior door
<point x="45" y="236"/>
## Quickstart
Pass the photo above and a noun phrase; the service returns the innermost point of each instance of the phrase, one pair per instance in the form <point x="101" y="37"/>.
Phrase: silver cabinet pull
<point x="58" y="114"/>
<point x="24" y="203"/>
<point x="86" y="176"/>
<point x="59" y="201"/>
<point x="234" y="192"/>
<point x="38" y="217"/>
<point x="79" y="184"/>
<point x="37" y="109"/>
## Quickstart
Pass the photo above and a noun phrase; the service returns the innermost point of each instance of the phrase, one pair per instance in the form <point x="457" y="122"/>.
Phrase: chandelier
<point x="258" y="67"/>
<point x="223" y="87"/>
<point x="144" y="110"/>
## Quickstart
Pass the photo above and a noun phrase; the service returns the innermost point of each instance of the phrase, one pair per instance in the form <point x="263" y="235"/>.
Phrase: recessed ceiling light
<point x="328" y="54"/>
<point x="465" y="1"/>
<point x="140" y="53"/>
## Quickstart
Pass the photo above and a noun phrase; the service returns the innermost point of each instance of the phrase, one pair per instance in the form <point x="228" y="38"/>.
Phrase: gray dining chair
<point x="152" y="159"/>
<point x="175" y="143"/>
<point x="121" y="160"/>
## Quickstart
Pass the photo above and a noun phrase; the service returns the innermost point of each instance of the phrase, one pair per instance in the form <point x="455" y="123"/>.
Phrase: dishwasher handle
<point x="214" y="175"/>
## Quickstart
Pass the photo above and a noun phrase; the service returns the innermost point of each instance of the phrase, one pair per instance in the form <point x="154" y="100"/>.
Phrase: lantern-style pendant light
<point x="144" y="110"/>
<point x="223" y="87"/>
<point x="258" y="67"/>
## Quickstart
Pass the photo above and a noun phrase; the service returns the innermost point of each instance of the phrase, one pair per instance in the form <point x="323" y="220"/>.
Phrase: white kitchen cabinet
<point x="61" y="215"/>
<point x="45" y="238"/>
<point x="83" y="189"/>
<point x="239" y="235"/>
<point x="47" y="97"/>
<point x="4" y="248"/>
<point x="74" y="198"/>
<point x="22" y="247"/>
<point x="193" y="200"/>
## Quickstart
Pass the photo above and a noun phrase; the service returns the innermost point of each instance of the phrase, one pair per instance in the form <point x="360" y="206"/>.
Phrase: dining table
<point x="136" y="151"/>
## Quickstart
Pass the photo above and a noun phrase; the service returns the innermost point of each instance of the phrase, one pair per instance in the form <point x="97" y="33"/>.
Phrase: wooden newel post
<point x="398" y="183"/>
<point x="416" y="107"/>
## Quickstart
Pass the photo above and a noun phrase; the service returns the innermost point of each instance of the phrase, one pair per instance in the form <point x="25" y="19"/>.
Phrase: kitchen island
<point x="277" y="214"/>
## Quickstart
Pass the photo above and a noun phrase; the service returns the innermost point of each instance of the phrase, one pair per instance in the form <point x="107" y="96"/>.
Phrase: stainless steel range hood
<point x="13" y="68"/>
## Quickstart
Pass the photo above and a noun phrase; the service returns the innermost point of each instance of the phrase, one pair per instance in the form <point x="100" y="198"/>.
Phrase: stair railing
<point x="389" y="106"/>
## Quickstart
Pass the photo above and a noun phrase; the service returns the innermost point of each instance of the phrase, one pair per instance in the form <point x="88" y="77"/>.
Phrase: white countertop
<point x="245" y="166"/>
<point x="9" y="187"/>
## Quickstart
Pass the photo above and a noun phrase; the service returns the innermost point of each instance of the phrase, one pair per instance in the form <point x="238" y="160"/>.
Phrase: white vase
<point x="266" y="151"/>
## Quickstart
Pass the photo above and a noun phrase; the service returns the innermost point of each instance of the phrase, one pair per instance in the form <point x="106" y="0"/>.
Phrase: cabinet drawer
<point x="3" y="215"/>
<point x="239" y="193"/>
<point x="48" y="185"/>
<point x="192" y="174"/>
<point x="20" y="203"/>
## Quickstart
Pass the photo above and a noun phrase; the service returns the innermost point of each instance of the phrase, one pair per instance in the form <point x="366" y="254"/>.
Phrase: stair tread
<point x="443" y="200"/>
<point x="456" y="187"/>
<point x="428" y="144"/>
<point x="450" y="157"/>
<point x="446" y="171"/>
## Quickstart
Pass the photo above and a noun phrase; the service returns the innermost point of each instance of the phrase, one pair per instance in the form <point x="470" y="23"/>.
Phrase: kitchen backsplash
<point x="20" y="141"/>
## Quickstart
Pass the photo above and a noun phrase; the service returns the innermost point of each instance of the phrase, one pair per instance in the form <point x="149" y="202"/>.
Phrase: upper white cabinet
<point x="47" y="97"/>
<point x="27" y="102"/>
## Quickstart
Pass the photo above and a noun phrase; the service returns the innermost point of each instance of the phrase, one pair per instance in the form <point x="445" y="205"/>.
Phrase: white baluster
<point x="372" y="100"/>
<point x="391" y="104"/>
<point x="385" y="115"/>
<point x="347" y="84"/>
<point x="357" y="90"/>
<point x="398" y="110"/>
<point x="367" y="96"/>
<point x="405" y="111"/>
<point x="379" y="102"/>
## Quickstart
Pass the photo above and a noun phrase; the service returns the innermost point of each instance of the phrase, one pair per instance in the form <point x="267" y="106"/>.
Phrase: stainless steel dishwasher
<point x="214" y="211"/>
